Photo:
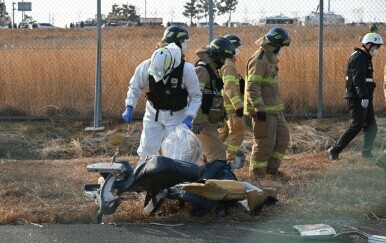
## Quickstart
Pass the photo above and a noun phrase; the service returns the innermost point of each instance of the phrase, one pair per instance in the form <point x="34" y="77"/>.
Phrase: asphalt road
<point x="187" y="232"/>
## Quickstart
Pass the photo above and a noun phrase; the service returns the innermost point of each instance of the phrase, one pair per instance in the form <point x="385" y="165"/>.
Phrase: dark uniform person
<point x="359" y="94"/>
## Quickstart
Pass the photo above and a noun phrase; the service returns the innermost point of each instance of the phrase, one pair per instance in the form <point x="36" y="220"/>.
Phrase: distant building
<point x="151" y="21"/>
<point x="277" y="20"/>
<point x="329" y="18"/>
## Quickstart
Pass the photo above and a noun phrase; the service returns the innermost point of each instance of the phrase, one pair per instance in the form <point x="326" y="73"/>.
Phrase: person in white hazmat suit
<point x="173" y="96"/>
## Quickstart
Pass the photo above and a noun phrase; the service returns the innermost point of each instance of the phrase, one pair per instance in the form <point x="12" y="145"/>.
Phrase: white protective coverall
<point x="154" y="132"/>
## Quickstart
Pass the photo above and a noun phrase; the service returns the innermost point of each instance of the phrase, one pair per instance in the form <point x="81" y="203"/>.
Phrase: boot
<point x="258" y="172"/>
<point x="333" y="154"/>
<point x="278" y="175"/>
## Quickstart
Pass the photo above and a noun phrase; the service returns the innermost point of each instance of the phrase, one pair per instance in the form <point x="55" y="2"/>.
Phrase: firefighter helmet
<point x="234" y="39"/>
<point x="278" y="37"/>
<point x="220" y="48"/>
<point x="175" y="33"/>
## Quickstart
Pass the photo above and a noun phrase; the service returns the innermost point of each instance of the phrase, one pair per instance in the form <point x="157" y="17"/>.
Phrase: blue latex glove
<point x="128" y="114"/>
<point x="188" y="121"/>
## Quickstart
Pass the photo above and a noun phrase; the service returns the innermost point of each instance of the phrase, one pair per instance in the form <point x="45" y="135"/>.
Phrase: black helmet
<point x="220" y="47"/>
<point x="175" y="33"/>
<point x="278" y="37"/>
<point x="234" y="39"/>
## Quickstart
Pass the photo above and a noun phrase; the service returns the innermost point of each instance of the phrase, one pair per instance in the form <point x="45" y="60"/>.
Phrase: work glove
<point x="261" y="115"/>
<point x="188" y="121"/>
<point x="128" y="114"/>
<point x="365" y="103"/>
<point x="240" y="112"/>
<point x="196" y="128"/>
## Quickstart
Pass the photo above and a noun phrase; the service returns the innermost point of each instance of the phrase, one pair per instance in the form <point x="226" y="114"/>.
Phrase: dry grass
<point x="53" y="72"/>
<point x="43" y="168"/>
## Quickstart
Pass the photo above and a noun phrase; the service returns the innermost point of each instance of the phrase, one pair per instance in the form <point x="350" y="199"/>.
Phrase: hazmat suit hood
<point x="176" y="54"/>
<point x="265" y="44"/>
<point x="201" y="53"/>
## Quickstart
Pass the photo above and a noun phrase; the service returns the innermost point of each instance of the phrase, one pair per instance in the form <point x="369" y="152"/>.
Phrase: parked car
<point x="205" y="24"/>
<point x="43" y="26"/>
<point x="25" y="25"/>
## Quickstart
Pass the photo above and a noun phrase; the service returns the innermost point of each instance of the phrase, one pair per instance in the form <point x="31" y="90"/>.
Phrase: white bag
<point x="182" y="144"/>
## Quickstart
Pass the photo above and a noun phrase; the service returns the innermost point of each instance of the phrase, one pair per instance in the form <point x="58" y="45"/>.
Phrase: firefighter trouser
<point x="232" y="134"/>
<point x="384" y="88"/>
<point x="362" y="119"/>
<point x="213" y="147"/>
<point x="270" y="141"/>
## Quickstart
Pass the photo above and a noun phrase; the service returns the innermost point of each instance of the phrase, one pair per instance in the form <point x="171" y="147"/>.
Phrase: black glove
<point x="261" y="115"/>
<point x="240" y="112"/>
<point x="196" y="128"/>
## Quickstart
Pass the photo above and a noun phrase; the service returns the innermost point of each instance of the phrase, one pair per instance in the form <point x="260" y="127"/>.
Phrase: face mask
<point x="374" y="53"/>
<point x="184" y="47"/>
<point x="219" y="64"/>
<point x="237" y="52"/>
<point x="279" y="52"/>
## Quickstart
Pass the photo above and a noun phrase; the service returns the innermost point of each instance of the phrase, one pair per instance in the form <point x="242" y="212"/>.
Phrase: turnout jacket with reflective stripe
<point x="359" y="76"/>
<point x="262" y="87"/>
<point x="231" y="92"/>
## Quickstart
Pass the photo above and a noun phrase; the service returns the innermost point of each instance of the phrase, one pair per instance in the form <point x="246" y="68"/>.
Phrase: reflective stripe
<point x="229" y="107"/>
<point x="370" y="80"/>
<point x="232" y="148"/>
<point x="235" y="100"/>
<point x="274" y="108"/>
<point x="269" y="80"/>
<point x="257" y="101"/>
<point x="261" y="79"/>
<point x="277" y="155"/>
<point x="255" y="78"/>
<point x="259" y="164"/>
<point x="230" y="78"/>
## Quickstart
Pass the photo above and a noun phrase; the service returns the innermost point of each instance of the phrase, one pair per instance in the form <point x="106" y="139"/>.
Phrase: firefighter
<point x="262" y="102"/>
<point x="359" y="95"/>
<point x="212" y="112"/>
<point x="232" y="132"/>
<point x="174" y="96"/>
<point x="384" y="82"/>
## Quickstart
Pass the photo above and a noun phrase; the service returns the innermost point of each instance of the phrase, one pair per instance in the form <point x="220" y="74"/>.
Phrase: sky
<point x="64" y="12"/>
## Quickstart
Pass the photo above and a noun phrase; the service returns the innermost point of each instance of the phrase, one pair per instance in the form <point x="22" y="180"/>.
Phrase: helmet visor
<point x="157" y="74"/>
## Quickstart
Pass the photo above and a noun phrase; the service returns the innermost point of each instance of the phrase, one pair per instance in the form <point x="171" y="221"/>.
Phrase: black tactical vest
<point x="212" y="89"/>
<point x="170" y="96"/>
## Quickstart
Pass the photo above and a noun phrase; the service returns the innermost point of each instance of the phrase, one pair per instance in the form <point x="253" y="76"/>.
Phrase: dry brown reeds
<point x="56" y="68"/>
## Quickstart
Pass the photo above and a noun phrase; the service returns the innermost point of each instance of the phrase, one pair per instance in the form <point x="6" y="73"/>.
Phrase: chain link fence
<point x="49" y="71"/>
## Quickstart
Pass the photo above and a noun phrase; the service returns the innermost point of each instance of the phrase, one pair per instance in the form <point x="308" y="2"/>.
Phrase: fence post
<point x="211" y="20"/>
<point x="98" y="75"/>
<point x="320" y="64"/>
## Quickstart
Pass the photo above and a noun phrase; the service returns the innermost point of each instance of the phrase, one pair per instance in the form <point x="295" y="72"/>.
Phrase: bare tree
<point x="227" y="6"/>
<point x="191" y="10"/>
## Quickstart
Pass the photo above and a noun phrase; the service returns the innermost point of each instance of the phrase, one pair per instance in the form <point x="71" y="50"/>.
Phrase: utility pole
<point x="22" y="13"/>
<point x="13" y="14"/>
